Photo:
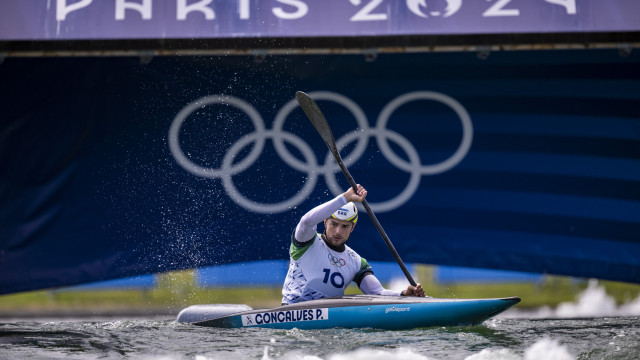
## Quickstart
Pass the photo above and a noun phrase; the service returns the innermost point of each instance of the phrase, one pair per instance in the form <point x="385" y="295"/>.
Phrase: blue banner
<point x="526" y="161"/>
<point x="198" y="19"/>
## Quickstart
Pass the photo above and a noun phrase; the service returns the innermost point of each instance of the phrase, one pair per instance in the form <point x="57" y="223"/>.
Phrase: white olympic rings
<point x="362" y="134"/>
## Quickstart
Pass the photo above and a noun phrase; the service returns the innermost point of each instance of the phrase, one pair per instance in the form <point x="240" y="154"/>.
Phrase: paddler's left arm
<point x="370" y="285"/>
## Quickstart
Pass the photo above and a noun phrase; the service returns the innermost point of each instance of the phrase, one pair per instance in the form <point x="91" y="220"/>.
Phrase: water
<point x="590" y="328"/>
<point x="501" y="338"/>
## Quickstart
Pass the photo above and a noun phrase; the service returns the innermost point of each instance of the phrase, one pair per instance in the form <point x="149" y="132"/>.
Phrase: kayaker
<point x="321" y="265"/>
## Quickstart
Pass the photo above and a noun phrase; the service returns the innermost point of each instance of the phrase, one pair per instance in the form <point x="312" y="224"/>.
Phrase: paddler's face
<point x="338" y="231"/>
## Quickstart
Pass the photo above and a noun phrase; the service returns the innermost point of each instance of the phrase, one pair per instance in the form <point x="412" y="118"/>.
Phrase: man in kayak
<point x="321" y="265"/>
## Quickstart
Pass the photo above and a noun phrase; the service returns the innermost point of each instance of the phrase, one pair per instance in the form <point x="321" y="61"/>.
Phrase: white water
<point x="595" y="329"/>
<point x="543" y="349"/>
<point x="592" y="302"/>
<point x="496" y="339"/>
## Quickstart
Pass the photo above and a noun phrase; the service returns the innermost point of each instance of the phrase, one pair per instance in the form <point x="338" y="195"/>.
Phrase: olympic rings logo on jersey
<point x="335" y="261"/>
<point x="311" y="167"/>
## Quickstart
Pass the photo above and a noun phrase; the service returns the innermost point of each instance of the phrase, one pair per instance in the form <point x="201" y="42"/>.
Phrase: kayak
<point x="354" y="311"/>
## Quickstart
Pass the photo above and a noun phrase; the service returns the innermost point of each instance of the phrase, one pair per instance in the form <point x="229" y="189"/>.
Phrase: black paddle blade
<point x="317" y="119"/>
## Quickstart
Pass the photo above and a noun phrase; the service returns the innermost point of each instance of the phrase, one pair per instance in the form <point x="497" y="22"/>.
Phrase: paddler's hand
<point x="414" y="291"/>
<point x="353" y="196"/>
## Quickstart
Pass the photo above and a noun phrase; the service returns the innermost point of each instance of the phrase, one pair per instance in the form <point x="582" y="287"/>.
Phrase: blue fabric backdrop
<point x="526" y="161"/>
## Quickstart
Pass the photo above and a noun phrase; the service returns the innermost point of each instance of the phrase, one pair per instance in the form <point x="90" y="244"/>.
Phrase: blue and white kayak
<point x="355" y="311"/>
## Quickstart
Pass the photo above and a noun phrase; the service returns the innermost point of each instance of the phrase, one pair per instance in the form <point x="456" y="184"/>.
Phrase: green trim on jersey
<point x="364" y="265"/>
<point x="365" y="269"/>
<point x="295" y="251"/>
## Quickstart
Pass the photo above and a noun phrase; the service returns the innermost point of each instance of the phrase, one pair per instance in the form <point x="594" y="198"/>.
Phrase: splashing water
<point x="543" y="349"/>
<point x="547" y="349"/>
<point x="497" y="339"/>
<point x="590" y="303"/>
<point x="539" y="336"/>
<point x="593" y="301"/>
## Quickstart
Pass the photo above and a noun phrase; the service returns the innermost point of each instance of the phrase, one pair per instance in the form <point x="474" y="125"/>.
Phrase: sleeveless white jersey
<point x="316" y="271"/>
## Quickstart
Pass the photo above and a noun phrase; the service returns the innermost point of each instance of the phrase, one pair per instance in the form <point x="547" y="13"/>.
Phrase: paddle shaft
<point x="319" y="122"/>
<point x="373" y="217"/>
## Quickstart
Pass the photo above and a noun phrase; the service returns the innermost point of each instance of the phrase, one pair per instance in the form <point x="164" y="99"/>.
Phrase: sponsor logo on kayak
<point x="280" y="317"/>
<point x="397" y="309"/>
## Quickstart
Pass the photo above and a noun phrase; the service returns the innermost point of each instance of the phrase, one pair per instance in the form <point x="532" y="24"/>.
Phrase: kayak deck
<point x="355" y="311"/>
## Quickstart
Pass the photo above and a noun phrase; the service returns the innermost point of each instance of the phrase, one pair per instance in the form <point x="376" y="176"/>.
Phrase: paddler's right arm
<point x="306" y="229"/>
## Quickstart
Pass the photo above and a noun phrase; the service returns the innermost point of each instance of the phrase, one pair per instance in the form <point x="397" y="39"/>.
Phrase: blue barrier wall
<point x="525" y="161"/>
<point x="273" y="273"/>
<point x="130" y="283"/>
<point x="453" y="274"/>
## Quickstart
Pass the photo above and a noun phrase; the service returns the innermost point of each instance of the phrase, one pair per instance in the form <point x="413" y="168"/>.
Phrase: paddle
<point x="320" y="123"/>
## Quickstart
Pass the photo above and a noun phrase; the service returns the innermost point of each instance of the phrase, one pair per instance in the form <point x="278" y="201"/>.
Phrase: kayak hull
<point x="357" y="311"/>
